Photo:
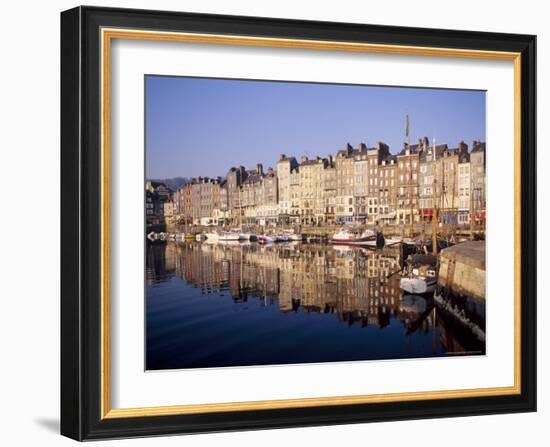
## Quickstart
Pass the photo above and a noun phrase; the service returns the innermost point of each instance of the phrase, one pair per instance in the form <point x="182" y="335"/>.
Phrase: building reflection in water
<point x="354" y="284"/>
<point x="359" y="287"/>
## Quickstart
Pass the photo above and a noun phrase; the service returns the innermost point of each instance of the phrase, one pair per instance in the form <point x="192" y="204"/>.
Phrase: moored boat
<point x="230" y="236"/>
<point x="265" y="239"/>
<point x="282" y="237"/>
<point x="292" y="236"/>
<point x="244" y="234"/>
<point x="347" y="237"/>
<point x="212" y="237"/>
<point x="422" y="275"/>
<point x="417" y="284"/>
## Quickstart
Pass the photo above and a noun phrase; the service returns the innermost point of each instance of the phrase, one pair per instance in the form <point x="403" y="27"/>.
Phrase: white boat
<point x="278" y="237"/>
<point x="417" y="285"/>
<point x="212" y="237"/>
<point x="387" y="242"/>
<point x="392" y="240"/>
<point x="244" y="235"/>
<point x="231" y="242"/>
<point x="230" y="236"/>
<point x="283" y="237"/>
<point x="347" y="237"/>
<point x="422" y="276"/>
<point x="291" y="236"/>
<point x="200" y="237"/>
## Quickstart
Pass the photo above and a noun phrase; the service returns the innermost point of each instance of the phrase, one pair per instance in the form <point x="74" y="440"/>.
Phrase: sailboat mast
<point x="411" y="232"/>
<point x="434" y="216"/>
<point x="442" y="193"/>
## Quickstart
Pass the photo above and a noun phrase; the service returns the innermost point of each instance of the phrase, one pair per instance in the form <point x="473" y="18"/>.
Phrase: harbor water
<point x="241" y="304"/>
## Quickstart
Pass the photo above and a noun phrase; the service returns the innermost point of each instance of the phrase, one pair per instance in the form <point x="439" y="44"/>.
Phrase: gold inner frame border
<point x="107" y="35"/>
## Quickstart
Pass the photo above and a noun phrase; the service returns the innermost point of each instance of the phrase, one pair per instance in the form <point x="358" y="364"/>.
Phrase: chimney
<point x="259" y="169"/>
<point x="425" y="143"/>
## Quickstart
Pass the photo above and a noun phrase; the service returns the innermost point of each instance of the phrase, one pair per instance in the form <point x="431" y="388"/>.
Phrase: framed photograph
<point x="277" y="223"/>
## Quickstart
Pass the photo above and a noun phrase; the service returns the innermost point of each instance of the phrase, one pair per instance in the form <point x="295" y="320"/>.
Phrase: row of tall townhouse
<point x="358" y="185"/>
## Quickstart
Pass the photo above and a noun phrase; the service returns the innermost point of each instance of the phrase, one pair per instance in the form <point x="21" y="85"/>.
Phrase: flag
<point x="407" y="126"/>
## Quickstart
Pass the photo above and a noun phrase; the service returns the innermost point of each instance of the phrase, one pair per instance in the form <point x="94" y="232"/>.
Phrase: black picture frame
<point x="81" y="223"/>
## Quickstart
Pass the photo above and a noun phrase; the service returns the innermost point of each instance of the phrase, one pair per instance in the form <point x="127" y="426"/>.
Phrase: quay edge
<point x="462" y="269"/>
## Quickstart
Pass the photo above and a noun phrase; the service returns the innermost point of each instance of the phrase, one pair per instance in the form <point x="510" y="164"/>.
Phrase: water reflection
<point x="225" y="305"/>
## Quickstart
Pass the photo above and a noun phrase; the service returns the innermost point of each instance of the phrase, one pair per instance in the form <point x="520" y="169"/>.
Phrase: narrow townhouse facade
<point x="285" y="165"/>
<point x="234" y="179"/>
<point x="295" y="195"/>
<point x="220" y="213"/>
<point x="251" y="194"/>
<point x="329" y="191"/>
<point x="344" y="186"/>
<point x="478" y="188"/>
<point x="311" y="190"/>
<point x="464" y="189"/>
<point x="360" y="183"/>
<point x="187" y="207"/>
<point x="449" y="184"/>
<point x="387" y="194"/>
<point x="268" y="207"/>
<point x="408" y="164"/>
<point x="428" y="181"/>
<point x="375" y="156"/>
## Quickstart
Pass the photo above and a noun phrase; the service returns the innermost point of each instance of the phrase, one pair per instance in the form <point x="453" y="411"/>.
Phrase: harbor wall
<point x="462" y="269"/>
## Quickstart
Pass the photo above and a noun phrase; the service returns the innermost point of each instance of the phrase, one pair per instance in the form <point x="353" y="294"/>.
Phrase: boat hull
<point x="359" y="241"/>
<point x="230" y="237"/>
<point x="418" y="286"/>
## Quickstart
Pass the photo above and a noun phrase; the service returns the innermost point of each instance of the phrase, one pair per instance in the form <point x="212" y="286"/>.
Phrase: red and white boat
<point x="347" y="237"/>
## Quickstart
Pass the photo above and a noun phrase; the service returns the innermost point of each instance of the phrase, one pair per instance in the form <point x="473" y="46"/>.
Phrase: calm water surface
<point x="233" y="305"/>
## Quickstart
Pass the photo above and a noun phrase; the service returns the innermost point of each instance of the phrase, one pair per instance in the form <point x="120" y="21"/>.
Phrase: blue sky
<point x="197" y="126"/>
